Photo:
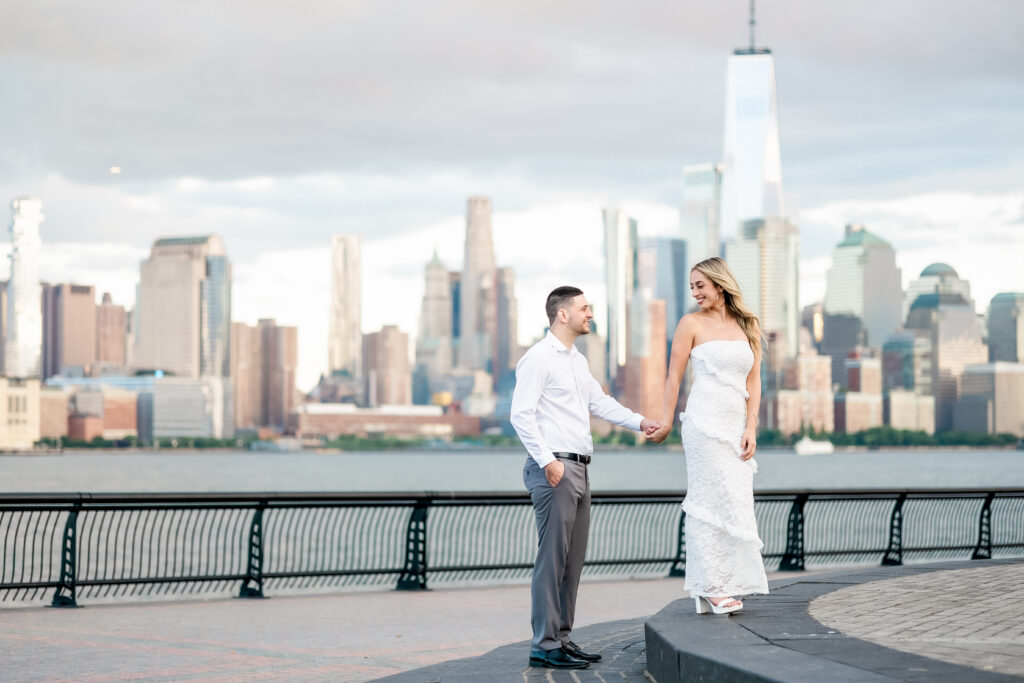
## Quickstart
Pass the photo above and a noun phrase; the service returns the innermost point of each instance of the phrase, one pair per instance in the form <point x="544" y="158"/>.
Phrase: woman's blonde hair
<point x="718" y="272"/>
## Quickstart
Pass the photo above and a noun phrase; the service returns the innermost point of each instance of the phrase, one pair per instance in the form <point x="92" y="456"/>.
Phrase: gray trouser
<point x="563" y="521"/>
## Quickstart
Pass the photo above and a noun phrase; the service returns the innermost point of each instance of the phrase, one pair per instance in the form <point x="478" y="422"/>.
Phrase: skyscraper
<point x="279" y="346"/>
<point x="956" y="342"/>
<point x="662" y="268"/>
<point x="434" y="341"/>
<point x="23" y="345"/>
<point x="620" y="262"/>
<point x="752" y="166"/>
<point x="506" y="347"/>
<point x="263" y="362"/>
<point x="700" y="218"/>
<point x="111" y="333"/>
<point x="765" y="261"/>
<point x="864" y="282"/>
<point x="247" y="375"/>
<point x="345" y="336"/>
<point x="938" y="278"/>
<point x="69" y="329"/>
<point x="647" y="362"/>
<point x="478" y="326"/>
<point x="184" y="308"/>
<point x="1006" y="327"/>
<point x="388" y="376"/>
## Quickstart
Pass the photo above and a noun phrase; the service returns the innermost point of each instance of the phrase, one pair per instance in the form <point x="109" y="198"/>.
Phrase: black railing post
<point x="894" y="553"/>
<point x="414" y="576"/>
<point x="679" y="566"/>
<point x="793" y="560"/>
<point x="252" y="585"/>
<point x="65" y="595"/>
<point x="983" y="551"/>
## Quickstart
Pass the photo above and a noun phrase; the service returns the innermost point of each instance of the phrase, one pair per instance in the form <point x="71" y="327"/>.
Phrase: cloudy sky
<point x="277" y="126"/>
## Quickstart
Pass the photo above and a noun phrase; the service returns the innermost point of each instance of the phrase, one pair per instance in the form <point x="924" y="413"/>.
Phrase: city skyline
<point x="909" y="141"/>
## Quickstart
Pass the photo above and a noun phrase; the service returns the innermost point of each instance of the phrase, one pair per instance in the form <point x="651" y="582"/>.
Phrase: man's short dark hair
<point x="559" y="298"/>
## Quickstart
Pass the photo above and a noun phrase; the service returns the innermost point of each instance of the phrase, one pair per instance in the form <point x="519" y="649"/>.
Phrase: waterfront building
<point x="53" y="413"/>
<point x="938" y="278"/>
<point x="69" y="329"/>
<point x="646" y="365"/>
<point x="592" y="346"/>
<point x="507" y="351"/>
<point x="279" y="346"/>
<point x="183" y="312"/>
<point x="991" y="399"/>
<point x="865" y="283"/>
<point x="263" y="364"/>
<point x="344" y="336"/>
<point x="700" y="217"/>
<point x="856" y="411"/>
<point x="662" y="268"/>
<point x="907" y="360"/>
<point x="434" y="341"/>
<point x="386" y="365"/>
<point x="19" y="412"/>
<point x="909" y="409"/>
<point x="23" y="342"/>
<point x="247" y="375"/>
<point x="766" y="263"/>
<point x="478" y="307"/>
<point x="751" y="161"/>
<point x="1006" y="327"/>
<point x="111" y="334"/>
<point x="455" y="287"/>
<point x="181" y="407"/>
<point x="331" y="420"/>
<point x="620" y="262"/>
<point x="3" y="322"/>
<point x="805" y="399"/>
<point x="103" y="411"/>
<point x="949" y="321"/>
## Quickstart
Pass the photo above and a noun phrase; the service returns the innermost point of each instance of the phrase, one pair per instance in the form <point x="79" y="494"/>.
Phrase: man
<point x="551" y="405"/>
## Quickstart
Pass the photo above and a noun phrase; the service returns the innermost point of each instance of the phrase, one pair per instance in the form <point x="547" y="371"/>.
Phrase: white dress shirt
<point x="554" y="396"/>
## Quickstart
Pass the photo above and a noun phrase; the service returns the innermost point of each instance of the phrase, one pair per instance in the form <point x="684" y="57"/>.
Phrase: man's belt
<point x="578" y="457"/>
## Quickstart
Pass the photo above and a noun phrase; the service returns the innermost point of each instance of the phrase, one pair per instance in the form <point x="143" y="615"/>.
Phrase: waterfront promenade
<point x="925" y="622"/>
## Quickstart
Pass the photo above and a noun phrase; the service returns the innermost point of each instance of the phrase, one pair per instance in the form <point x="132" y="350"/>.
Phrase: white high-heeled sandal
<point x="703" y="605"/>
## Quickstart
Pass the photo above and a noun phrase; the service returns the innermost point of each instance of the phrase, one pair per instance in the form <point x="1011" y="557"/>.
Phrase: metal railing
<point x="74" y="547"/>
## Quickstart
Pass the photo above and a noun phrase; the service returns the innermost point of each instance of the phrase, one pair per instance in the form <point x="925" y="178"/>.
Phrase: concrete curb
<point x="775" y="639"/>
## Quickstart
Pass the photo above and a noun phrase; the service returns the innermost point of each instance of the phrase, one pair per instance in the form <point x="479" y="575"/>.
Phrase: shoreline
<point x="604" y="448"/>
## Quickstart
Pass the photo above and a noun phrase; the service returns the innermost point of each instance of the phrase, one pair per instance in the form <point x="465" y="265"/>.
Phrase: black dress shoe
<point x="573" y="650"/>
<point x="556" y="659"/>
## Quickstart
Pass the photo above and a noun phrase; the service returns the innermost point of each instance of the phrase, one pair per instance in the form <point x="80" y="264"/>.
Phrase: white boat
<point x="807" y="446"/>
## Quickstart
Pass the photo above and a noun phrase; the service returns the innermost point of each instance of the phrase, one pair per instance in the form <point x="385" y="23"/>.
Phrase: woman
<point x="723" y="339"/>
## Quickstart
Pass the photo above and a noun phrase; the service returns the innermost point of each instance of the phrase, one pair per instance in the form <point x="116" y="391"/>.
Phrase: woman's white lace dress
<point x="723" y="550"/>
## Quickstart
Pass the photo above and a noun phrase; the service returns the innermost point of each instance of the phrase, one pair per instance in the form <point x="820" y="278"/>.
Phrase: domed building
<point x="938" y="278"/>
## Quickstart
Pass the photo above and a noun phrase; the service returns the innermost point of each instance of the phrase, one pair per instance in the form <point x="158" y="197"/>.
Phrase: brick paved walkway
<point x="340" y="637"/>
<point x="971" y="617"/>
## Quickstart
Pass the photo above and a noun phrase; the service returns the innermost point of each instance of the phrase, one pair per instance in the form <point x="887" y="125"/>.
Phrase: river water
<point x="486" y="470"/>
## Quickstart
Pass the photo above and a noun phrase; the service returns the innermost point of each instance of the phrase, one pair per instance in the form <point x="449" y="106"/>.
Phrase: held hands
<point x="654" y="430"/>
<point x="748" y="445"/>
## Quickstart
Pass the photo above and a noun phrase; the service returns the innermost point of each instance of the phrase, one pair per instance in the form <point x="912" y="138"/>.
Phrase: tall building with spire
<point x="434" y="341"/>
<point x="184" y="308"/>
<point x="23" y="345"/>
<point x="620" y="262"/>
<point x="478" y="308"/>
<point x="752" y="165"/>
<point x="344" y="332"/>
